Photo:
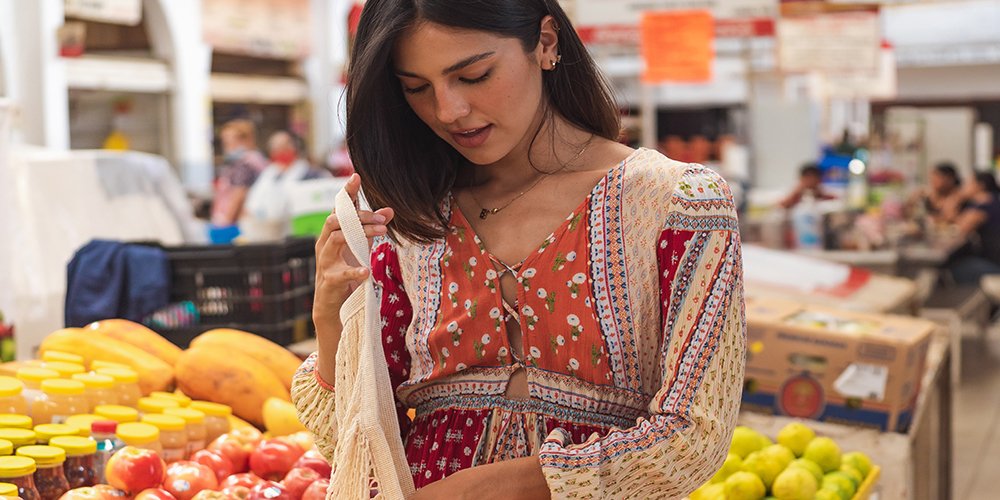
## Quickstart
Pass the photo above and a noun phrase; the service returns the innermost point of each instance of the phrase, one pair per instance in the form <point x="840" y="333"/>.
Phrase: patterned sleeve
<point x="314" y="397"/>
<point x="684" y="440"/>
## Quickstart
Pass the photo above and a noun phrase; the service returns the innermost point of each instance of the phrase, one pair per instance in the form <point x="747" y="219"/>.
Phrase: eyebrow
<point x="454" y="67"/>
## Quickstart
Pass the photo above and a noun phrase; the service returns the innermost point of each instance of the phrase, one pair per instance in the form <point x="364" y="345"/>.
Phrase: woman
<point x="979" y="224"/>
<point x="267" y="214"/>
<point x="594" y="355"/>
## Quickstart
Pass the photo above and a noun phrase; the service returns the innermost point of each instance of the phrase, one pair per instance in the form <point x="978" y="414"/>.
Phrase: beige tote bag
<point x="369" y="460"/>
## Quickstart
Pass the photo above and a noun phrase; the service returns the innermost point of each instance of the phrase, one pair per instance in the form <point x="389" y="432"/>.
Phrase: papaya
<point x="154" y="373"/>
<point x="279" y="360"/>
<point x="139" y="336"/>
<point x="227" y="376"/>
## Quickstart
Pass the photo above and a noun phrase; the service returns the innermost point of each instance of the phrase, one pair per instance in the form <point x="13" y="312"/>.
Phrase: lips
<point x="472" y="138"/>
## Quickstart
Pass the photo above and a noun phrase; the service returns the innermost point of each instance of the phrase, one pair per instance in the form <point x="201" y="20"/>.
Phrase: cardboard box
<point x="837" y="366"/>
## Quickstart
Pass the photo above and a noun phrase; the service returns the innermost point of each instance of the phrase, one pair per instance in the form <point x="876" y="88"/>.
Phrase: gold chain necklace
<point x="485" y="212"/>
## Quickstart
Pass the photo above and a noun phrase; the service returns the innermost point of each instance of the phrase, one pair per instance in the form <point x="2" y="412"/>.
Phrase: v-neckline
<point x="537" y="251"/>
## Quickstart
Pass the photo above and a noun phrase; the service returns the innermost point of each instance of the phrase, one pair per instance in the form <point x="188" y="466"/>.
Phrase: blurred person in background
<point x="810" y="182"/>
<point x="943" y="199"/>
<point x="242" y="164"/>
<point x="485" y="138"/>
<point x="979" y="224"/>
<point x="267" y="211"/>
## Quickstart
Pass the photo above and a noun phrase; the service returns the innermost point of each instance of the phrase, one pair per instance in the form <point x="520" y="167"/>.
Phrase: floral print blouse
<point x="633" y="339"/>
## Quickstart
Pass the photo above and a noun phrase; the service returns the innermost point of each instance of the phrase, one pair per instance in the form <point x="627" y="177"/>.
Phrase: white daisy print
<point x="574" y="364"/>
<point x="486" y="339"/>
<point x="453" y="287"/>
<point x="453" y="327"/>
<point x="573" y="320"/>
<point x="561" y="340"/>
<point x="579" y="278"/>
<point x="530" y="272"/>
<point x="535" y="352"/>
<point x="570" y="257"/>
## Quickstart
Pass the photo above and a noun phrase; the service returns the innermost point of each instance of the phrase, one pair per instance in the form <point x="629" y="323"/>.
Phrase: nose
<point x="450" y="106"/>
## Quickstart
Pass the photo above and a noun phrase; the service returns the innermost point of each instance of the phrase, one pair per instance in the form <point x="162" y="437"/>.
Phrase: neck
<point x="556" y="148"/>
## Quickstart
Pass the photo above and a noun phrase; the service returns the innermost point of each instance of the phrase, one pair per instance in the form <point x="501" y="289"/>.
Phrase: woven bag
<point x="369" y="461"/>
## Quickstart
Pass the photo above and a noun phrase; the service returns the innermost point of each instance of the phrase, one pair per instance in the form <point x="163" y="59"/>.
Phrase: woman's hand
<point x="338" y="273"/>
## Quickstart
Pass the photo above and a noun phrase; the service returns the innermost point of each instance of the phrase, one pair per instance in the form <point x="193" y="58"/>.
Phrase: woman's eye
<point x="476" y="80"/>
<point x="415" y="90"/>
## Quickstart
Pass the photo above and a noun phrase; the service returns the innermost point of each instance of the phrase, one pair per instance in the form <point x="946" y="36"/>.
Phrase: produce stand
<point x="915" y="465"/>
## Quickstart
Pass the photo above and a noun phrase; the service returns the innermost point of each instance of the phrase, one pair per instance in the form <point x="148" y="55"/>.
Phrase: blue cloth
<point x="111" y="279"/>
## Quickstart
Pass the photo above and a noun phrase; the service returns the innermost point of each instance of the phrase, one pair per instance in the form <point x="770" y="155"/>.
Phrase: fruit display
<point x="799" y="466"/>
<point x="229" y="377"/>
<point x="154" y="373"/>
<point x="239" y="465"/>
<point x="280" y="361"/>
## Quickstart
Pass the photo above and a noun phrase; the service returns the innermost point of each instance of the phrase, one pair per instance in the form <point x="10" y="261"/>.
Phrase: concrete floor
<point x="977" y="420"/>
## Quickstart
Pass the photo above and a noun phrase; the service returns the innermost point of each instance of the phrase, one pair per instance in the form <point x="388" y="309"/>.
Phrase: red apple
<point x="270" y="490"/>
<point x="110" y="492"/>
<point x="134" y="469"/>
<point x="98" y="492"/>
<point x="246" y="479"/>
<point x="185" y="479"/>
<point x="154" y="494"/>
<point x="219" y="463"/>
<point x="317" y="490"/>
<point x="297" y="480"/>
<point x="302" y="438"/>
<point x="247" y="435"/>
<point x="210" y="495"/>
<point x="237" y="492"/>
<point x="273" y="458"/>
<point x="313" y="460"/>
<point x="233" y="448"/>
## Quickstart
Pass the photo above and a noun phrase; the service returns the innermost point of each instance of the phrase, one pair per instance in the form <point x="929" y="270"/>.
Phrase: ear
<point x="548" y="44"/>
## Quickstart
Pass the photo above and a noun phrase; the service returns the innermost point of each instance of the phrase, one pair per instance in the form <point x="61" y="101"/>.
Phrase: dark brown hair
<point x="403" y="164"/>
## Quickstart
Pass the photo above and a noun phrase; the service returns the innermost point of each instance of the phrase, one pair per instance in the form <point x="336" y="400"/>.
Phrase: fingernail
<point x="379" y="219"/>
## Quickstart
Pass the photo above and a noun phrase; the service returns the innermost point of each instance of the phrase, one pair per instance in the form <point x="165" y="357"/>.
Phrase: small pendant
<point x="486" y="212"/>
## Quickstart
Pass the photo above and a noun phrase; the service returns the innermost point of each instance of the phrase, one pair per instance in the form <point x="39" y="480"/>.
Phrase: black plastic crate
<point x="266" y="289"/>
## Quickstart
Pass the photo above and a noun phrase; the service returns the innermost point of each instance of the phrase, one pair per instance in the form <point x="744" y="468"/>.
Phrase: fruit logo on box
<point x="802" y="397"/>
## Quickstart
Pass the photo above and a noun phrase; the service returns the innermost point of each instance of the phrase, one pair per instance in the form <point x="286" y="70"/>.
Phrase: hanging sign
<point x="127" y="12"/>
<point x="677" y="46"/>
<point x="616" y="22"/>
<point x="265" y="28"/>
<point x="847" y="42"/>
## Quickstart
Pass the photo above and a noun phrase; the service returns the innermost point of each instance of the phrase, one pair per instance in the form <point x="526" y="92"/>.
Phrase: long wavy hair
<point x="402" y="162"/>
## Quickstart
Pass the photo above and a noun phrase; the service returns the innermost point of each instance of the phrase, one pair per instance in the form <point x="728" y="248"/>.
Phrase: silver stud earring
<point x="556" y="61"/>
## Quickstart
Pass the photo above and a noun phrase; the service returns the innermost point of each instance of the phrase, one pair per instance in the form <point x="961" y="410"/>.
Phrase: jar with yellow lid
<point x="126" y="384"/>
<point x="155" y="405"/>
<point x="81" y="462"/>
<point x="100" y="389"/>
<point x="11" y="421"/>
<point x="8" y="490"/>
<point x="195" y="420"/>
<point x="182" y="400"/>
<point x="118" y="413"/>
<point x="6" y="447"/>
<point x="216" y="418"/>
<point x="64" y="369"/>
<point x="140" y="435"/>
<point x="45" y="432"/>
<point x="60" y="399"/>
<point x="19" y="437"/>
<point x="82" y="423"/>
<point x="50" y="479"/>
<point x="20" y="472"/>
<point x="32" y="378"/>
<point x="173" y="435"/>
<point x="12" y="397"/>
<point x="64" y="357"/>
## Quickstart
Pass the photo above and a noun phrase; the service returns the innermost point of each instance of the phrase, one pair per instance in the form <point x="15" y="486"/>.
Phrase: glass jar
<point x="6" y="448"/>
<point x="11" y="397"/>
<point x="50" y="480"/>
<point x="11" y="421"/>
<point x="216" y="418"/>
<point x="155" y="405"/>
<point x="103" y="433"/>
<point x="32" y="378"/>
<point x="60" y="399"/>
<point x="64" y="357"/>
<point x="195" y="420"/>
<point x="64" y="369"/>
<point x="19" y="437"/>
<point x="8" y="490"/>
<point x="99" y="389"/>
<point x="140" y="435"/>
<point x="45" y="432"/>
<point x="81" y="460"/>
<point x="173" y="435"/>
<point x="118" y="413"/>
<point x="82" y="423"/>
<point x="20" y="472"/>
<point x="126" y="384"/>
<point x="182" y="400"/>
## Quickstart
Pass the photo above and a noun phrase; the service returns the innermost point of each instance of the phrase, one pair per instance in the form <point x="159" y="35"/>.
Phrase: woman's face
<point x="479" y="92"/>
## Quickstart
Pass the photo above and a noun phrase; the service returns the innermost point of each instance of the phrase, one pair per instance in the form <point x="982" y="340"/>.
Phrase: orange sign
<point x="677" y="46"/>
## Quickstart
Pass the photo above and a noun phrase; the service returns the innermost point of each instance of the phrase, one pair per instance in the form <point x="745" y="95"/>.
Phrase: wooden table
<point x="916" y="465"/>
